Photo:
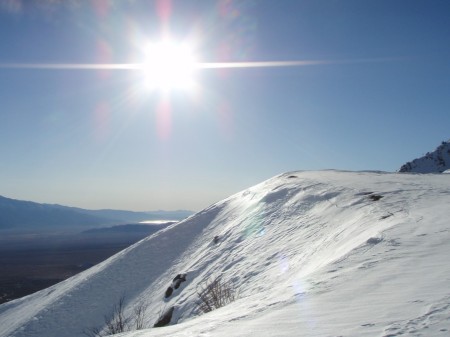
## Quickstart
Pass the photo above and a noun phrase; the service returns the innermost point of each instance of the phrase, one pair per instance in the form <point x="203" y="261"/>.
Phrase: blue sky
<point x="95" y="139"/>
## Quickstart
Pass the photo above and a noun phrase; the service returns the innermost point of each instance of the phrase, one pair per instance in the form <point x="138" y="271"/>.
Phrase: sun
<point x="169" y="65"/>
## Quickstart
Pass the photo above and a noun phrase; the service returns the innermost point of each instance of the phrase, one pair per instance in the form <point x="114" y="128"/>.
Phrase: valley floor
<point x="29" y="263"/>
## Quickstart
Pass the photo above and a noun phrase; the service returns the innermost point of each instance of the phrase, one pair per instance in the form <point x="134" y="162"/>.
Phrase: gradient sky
<point x="97" y="139"/>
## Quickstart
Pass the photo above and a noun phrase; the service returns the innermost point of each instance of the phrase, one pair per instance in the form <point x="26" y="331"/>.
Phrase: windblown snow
<point x="326" y="253"/>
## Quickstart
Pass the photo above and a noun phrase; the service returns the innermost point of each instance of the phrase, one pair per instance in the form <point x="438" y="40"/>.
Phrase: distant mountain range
<point x="433" y="162"/>
<point x="26" y="215"/>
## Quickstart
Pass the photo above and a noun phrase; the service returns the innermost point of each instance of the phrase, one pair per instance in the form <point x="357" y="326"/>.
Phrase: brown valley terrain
<point x="31" y="262"/>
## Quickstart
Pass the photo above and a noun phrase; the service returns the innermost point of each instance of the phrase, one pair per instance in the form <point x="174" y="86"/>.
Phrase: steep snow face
<point x="309" y="253"/>
<point x="433" y="162"/>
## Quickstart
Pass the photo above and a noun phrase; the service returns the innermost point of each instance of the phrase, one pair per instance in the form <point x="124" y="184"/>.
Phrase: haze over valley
<point x="41" y="245"/>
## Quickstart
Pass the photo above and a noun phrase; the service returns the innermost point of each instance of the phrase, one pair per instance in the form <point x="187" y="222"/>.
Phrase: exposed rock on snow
<point x="165" y="318"/>
<point x="180" y="278"/>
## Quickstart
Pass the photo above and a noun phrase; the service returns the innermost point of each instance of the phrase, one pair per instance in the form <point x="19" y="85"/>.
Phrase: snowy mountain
<point x="433" y="162"/>
<point x="20" y="215"/>
<point x="308" y="253"/>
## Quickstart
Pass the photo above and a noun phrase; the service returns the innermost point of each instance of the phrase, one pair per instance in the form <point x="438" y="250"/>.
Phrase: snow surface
<point x="310" y="254"/>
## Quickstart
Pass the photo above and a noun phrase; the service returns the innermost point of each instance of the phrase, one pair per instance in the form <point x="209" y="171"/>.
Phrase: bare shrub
<point x="139" y="315"/>
<point x="215" y="294"/>
<point x="118" y="322"/>
<point x="92" y="332"/>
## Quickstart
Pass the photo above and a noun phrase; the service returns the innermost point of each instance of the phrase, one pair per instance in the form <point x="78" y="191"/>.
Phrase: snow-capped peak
<point x="433" y="162"/>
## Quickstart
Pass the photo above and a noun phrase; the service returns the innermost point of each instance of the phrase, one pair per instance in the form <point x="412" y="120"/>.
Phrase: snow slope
<point x="433" y="162"/>
<point x="326" y="253"/>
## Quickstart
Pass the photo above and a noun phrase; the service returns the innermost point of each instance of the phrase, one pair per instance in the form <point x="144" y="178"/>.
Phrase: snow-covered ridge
<point x="310" y="253"/>
<point x="433" y="162"/>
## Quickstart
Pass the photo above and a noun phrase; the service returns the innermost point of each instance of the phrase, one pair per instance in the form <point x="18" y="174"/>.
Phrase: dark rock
<point x="169" y="292"/>
<point x="165" y="318"/>
<point x="177" y="283"/>
<point x="374" y="241"/>
<point x="375" y="197"/>
<point x="178" y="280"/>
<point x="181" y="277"/>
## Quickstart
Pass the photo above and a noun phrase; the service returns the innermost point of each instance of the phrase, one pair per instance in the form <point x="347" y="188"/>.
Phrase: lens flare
<point x="198" y="65"/>
<point x="163" y="119"/>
